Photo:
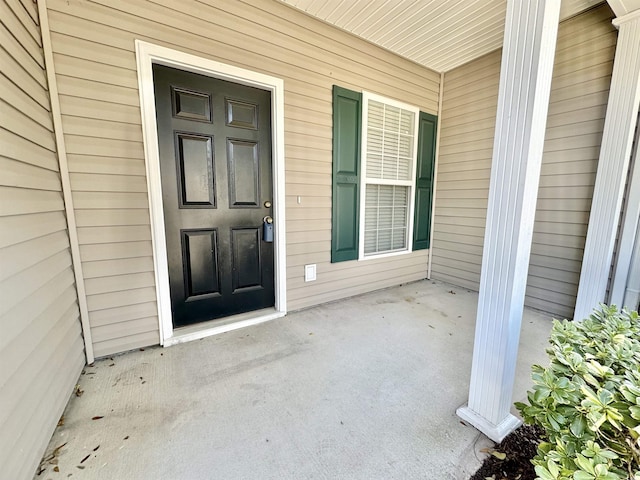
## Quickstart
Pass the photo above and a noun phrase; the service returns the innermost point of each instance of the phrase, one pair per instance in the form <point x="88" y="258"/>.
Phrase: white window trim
<point x="148" y="54"/>
<point x="366" y="97"/>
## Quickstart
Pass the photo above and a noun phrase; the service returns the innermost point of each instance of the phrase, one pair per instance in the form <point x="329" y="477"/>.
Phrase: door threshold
<point x="227" y="324"/>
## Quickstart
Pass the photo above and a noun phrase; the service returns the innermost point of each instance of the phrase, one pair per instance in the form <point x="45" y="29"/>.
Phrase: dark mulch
<point x="519" y="447"/>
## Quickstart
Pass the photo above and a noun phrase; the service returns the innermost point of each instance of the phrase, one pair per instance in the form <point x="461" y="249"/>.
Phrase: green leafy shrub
<point x="588" y="399"/>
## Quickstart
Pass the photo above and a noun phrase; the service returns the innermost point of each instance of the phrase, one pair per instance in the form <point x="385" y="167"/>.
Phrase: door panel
<point x="246" y="258"/>
<point x="190" y="104"/>
<point x="241" y="114"/>
<point x="214" y="139"/>
<point x="195" y="175"/>
<point x="244" y="169"/>
<point x="200" y="261"/>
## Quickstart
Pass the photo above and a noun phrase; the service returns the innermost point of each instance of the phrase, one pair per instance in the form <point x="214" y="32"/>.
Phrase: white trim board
<point x="435" y="177"/>
<point x="148" y="54"/>
<point x="72" y="229"/>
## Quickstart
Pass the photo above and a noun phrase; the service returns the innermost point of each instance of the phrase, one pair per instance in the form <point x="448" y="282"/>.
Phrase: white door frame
<point x="148" y="54"/>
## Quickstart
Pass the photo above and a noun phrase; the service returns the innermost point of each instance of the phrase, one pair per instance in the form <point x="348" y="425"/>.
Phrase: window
<point x="388" y="164"/>
<point x="383" y="155"/>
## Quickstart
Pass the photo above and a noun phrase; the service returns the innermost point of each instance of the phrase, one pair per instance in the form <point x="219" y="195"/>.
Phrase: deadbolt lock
<point x="267" y="204"/>
<point x="267" y="229"/>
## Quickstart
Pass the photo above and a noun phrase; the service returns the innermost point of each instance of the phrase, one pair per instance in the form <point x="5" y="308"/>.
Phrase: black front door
<point x="214" y="139"/>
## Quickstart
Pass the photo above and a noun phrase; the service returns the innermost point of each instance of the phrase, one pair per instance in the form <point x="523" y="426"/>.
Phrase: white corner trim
<point x="497" y="433"/>
<point x="435" y="176"/>
<point x="64" y="177"/>
<point x="148" y="54"/>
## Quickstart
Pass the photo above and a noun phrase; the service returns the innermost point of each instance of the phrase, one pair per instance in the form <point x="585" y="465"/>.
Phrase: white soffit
<point x="439" y="34"/>
<point x="623" y="7"/>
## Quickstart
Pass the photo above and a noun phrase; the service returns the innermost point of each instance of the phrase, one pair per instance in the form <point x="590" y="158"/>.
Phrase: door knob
<point x="267" y="219"/>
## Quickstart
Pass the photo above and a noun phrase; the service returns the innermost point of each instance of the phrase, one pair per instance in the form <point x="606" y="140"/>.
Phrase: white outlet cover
<point x="309" y="273"/>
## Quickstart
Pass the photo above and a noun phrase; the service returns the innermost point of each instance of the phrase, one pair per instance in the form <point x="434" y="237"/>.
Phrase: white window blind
<point x="389" y="150"/>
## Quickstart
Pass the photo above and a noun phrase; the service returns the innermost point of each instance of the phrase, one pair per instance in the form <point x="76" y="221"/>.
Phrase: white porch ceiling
<point x="439" y="34"/>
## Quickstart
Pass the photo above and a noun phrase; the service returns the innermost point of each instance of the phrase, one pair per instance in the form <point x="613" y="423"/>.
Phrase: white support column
<point x="525" y="83"/>
<point x="625" y="264"/>
<point x="632" y="291"/>
<point x="615" y="152"/>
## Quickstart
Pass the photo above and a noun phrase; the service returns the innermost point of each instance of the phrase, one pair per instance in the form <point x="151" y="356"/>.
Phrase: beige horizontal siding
<point x="93" y="46"/>
<point x="577" y="106"/>
<point x="466" y="141"/>
<point x="579" y="90"/>
<point x="41" y="349"/>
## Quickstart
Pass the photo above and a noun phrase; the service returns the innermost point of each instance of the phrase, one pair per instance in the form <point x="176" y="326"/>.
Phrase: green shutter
<point x="424" y="181"/>
<point x="347" y="113"/>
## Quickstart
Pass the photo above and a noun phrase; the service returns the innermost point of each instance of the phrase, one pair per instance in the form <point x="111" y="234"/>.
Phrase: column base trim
<point x="497" y="433"/>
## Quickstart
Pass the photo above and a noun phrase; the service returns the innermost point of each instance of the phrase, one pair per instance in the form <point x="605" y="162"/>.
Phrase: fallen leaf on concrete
<point x="431" y="326"/>
<point x="56" y="469"/>
<point x="78" y="391"/>
<point x="452" y="292"/>
<point x="61" y="421"/>
<point x="85" y="458"/>
<point x="81" y="467"/>
<point x="127" y="437"/>
<point x="56" y="450"/>
<point x="97" y="417"/>
<point x="96" y="448"/>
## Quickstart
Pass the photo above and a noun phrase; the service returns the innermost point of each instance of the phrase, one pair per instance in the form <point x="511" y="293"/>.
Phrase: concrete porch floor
<point x="364" y="388"/>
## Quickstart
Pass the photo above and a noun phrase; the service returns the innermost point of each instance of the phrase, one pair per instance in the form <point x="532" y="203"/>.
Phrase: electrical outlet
<point x="310" y="273"/>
